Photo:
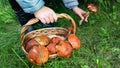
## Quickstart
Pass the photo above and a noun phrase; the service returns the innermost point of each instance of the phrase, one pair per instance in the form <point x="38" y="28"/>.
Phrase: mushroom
<point x="55" y="40"/>
<point x="86" y="15"/>
<point x="38" y="40"/>
<point x="70" y="28"/>
<point x="38" y="55"/>
<point x="30" y="44"/>
<point x="63" y="49"/>
<point x="51" y="46"/>
<point x="42" y="40"/>
<point x="74" y="41"/>
<point x="92" y="7"/>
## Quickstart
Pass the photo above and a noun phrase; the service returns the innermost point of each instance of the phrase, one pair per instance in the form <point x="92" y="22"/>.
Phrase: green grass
<point x="100" y="39"/>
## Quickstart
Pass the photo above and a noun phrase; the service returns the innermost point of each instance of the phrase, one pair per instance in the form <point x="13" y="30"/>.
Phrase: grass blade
<point x="20" y="58"/>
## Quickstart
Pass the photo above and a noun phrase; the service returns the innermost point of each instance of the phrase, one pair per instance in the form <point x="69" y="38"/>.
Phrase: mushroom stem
<point x="85" y="18"/>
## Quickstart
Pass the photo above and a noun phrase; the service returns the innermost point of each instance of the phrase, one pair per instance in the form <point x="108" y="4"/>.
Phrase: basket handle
<point x="35" y="20"/>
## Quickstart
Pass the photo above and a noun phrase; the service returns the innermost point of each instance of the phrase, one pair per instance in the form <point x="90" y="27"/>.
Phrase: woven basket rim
<point x="46" y="29"/>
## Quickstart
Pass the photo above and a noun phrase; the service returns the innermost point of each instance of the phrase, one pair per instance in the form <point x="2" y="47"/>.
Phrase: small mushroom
<point x="74" y="41"/>
<point x="92" y="7"/>
<point x="38" y="55"/>
<point x="70" y="28"/>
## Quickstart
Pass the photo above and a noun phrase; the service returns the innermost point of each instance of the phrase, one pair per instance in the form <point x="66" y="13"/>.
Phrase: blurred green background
<point x="100" y="37"/>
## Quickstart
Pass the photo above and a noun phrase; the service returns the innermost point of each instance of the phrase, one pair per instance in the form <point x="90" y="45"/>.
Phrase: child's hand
<point x="82" y="14"/>
<point x="46" y="15"/>
<point x="79" y="12"/>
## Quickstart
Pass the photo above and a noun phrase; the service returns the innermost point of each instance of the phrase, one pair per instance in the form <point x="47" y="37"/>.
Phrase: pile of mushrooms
<point x="41" y="47"/>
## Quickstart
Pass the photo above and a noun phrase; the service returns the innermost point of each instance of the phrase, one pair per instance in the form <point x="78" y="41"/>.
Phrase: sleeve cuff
<point x="30" y="6"/>
<point x="72" y="4"/>
<point x="35" y="7"/>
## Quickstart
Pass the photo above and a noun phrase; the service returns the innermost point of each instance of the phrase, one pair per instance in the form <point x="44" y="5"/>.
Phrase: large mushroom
<point x="74" y="41"/>
<point x="38" y="55"/>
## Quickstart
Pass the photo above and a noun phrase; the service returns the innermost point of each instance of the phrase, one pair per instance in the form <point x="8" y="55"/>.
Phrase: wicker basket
<point x="50" y="32"/>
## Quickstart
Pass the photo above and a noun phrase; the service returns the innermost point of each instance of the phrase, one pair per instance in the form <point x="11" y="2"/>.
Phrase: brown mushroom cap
<point x="92" y="7"/>
<point x="63" y="49"/>
<point x="55" y="40"/>
<point x="51" y="48"/>
<point x="42" y="40"/>
<point x="70" y="28"/>
<point x="30" y="44"/>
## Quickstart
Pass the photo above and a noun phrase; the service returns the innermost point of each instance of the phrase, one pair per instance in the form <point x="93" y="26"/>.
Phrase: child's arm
<point x="36" y="7"/>
<point x="30" y="6"/>
<point x="73" y="4"/>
